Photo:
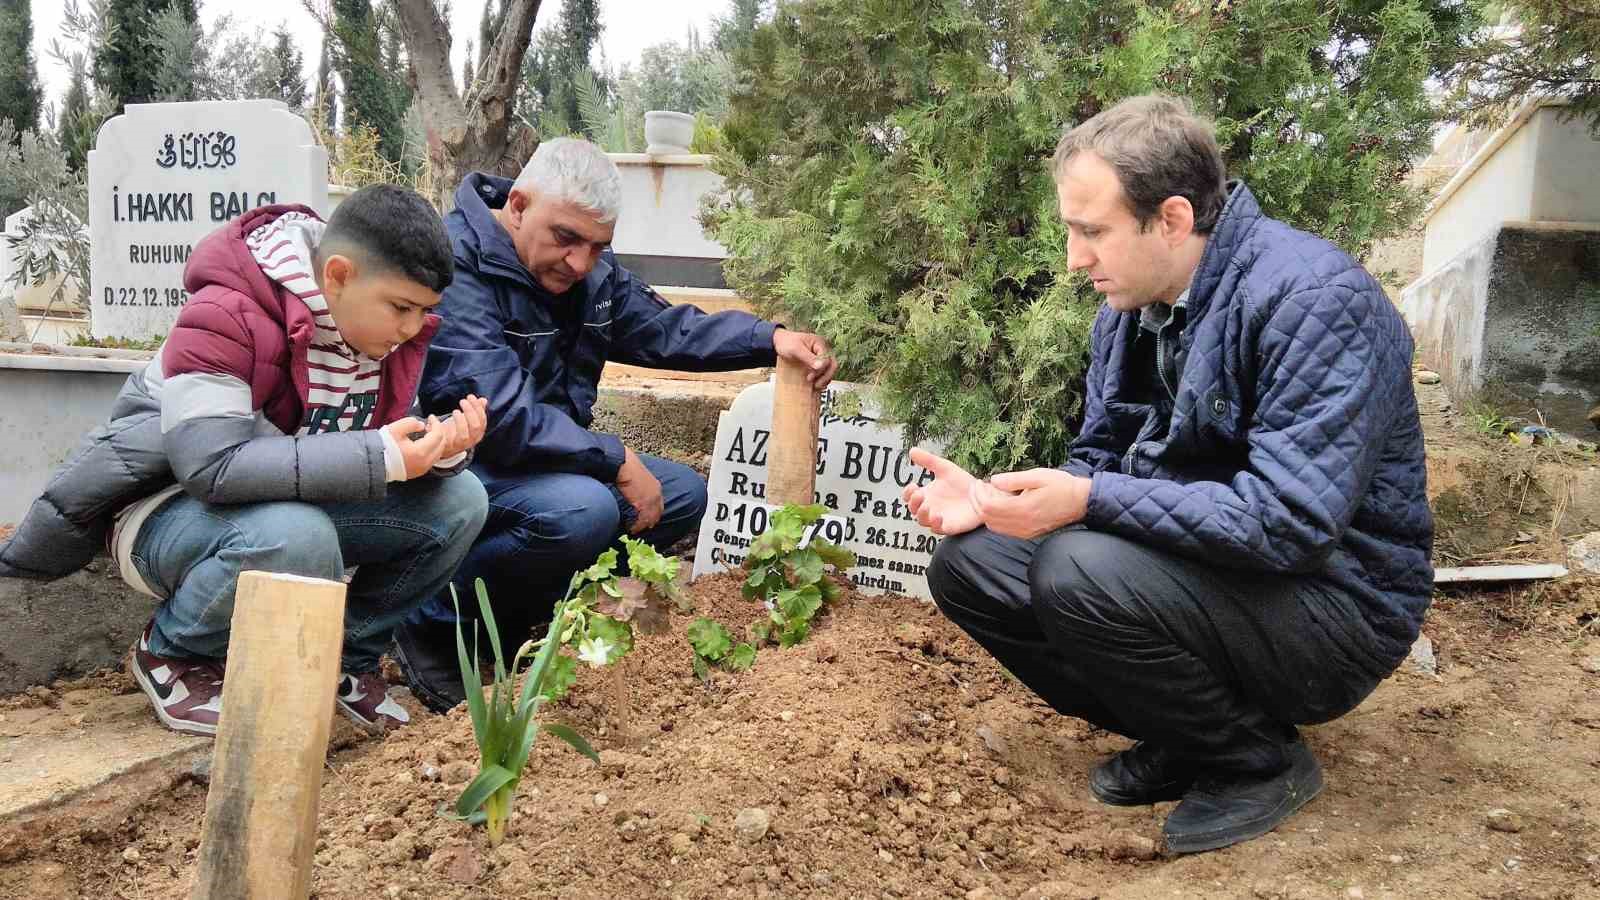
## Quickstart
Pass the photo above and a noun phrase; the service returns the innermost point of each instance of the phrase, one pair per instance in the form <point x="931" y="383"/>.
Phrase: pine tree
<point x="489" y="25"/>
<point x="886" y="181"/>
<point x="325" y="104"/>
<point x="1536" y="47"/>
<point x="19" y="76"/>
<point x="734" y="30"/>
<point x="559" y="54"/>
<point x="126" y="67"/>
<point x="371" y="94"/>
<point x="468" y="69"/>
<point x="396" y="65"/>
<point x="75" y="135"/>
<point x="87" y="32"/>
<point x="177" y="51"/>
<point x="288" y="65"/>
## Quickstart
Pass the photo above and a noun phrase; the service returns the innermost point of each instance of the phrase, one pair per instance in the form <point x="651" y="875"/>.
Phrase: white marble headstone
<point x="862" y="466"/>
<point x="164" y="175"/>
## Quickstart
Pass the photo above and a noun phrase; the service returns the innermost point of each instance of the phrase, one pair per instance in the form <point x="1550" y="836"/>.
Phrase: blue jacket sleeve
<point x="1094" y="449"/>
<point x="470" y="355"/>
<point x="649" y="331"/>
<point x="1329" y="385"/>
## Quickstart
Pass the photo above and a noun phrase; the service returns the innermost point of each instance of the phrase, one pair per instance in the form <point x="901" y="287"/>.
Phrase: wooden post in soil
<point x="272" y="739"/>
<point x="792" y="451"/>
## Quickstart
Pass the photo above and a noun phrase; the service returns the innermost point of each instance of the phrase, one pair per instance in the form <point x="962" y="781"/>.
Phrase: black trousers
<point x="1218" y="665"/>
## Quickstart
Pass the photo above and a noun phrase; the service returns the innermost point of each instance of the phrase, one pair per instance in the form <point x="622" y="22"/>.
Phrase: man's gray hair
<point x="578" y="172"/>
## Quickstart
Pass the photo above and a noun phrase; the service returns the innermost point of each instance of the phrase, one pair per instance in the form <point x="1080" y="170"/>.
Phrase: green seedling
<point x="791" y="579"/>
<point x="599" y="623"/>
<point x="713" y="645"/>
<point x="505" y="723"/>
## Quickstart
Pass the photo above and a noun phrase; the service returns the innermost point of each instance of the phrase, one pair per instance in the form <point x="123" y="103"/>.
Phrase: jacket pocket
<point x="594" y="348"/>
<point x="531" y="347"/>
<point x="1221" y="418"/>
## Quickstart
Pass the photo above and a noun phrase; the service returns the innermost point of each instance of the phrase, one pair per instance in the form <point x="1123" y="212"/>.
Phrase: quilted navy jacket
<point x="1293" y="444"/>
<point x="537" y="358"/>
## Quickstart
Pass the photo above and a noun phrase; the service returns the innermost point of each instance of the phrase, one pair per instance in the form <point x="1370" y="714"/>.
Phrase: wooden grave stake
<point x="792" y="451"/>
<point x="272" y="739"/>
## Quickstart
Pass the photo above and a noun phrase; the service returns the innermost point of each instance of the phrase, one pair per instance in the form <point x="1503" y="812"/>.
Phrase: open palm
<point x="943" y="505"/>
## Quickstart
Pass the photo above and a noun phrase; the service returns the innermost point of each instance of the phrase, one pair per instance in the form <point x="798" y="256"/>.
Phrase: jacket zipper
<point x="1161" y="360"/>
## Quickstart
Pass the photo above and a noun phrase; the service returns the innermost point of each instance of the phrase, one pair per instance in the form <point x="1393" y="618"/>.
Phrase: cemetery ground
<point x="891" y="757"/>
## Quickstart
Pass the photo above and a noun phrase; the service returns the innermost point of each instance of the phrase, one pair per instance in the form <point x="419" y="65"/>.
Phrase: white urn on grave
<point x="667" y="133"/>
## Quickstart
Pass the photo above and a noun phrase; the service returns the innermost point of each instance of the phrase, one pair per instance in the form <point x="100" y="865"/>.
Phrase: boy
<point x="265" y="435"/>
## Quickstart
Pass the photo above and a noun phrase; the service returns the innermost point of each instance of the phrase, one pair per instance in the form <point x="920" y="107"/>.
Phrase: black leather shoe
<point x="1224" y="809"/>
<point x="427" y="655"/>
<point x="1141" y="774"/>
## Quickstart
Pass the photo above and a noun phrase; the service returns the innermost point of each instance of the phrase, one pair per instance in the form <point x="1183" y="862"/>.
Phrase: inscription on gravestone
<point x="862" y="465"/>
<point x="164" y="175"/>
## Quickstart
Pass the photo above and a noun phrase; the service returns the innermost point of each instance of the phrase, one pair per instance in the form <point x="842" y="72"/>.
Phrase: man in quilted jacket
<point x="1239" y="542"/>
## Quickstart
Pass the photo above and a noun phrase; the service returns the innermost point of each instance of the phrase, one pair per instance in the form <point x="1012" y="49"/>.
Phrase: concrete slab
<point x="675" y="419"/>
<point x="1518" y="314"/>
<point x="48" y="754"/>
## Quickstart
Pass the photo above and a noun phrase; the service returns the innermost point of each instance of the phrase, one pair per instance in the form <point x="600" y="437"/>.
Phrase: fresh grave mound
<point x="890" y="757"/>
<point x="853" y="762"/>
<point x="886" y="752"/>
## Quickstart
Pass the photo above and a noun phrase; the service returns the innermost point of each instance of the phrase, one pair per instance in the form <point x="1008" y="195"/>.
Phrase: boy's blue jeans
<point x="544" y="526"/>
<point x="407" y="545"/>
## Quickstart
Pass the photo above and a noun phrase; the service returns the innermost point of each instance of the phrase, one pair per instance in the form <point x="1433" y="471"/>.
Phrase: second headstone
<point x="162" y="176"/>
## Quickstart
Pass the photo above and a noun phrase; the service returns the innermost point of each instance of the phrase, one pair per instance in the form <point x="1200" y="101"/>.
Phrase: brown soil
<point x="895" y="759"/>
<point x="1495" y="501"/>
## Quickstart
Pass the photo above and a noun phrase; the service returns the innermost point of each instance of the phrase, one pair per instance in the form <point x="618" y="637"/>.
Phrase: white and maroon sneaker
<point x="365" y="700"/>
<point x="186" y="693"/>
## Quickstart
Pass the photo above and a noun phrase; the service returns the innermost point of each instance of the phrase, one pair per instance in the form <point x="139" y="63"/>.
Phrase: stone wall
<point x="1517" y="312"/>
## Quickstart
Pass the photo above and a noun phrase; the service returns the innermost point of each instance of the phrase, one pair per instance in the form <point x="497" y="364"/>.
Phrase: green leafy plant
<point x="505" y="723"/>
<point x="605" y="121"/>
<point x="117" y="343"/>
<point x="51" y="246"/>
<point x="713" y="645"/>
<point x="790" y="578"/>
<point x="598" y="625"/>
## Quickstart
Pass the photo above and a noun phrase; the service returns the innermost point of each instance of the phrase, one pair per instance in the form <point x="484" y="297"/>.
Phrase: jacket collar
<point x="1239" y="217"/>
<point x="478" y="196"/>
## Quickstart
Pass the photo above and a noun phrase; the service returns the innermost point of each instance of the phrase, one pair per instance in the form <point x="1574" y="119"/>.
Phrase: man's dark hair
<point x="392" y="229"/>
<point x="1159" y="148"/>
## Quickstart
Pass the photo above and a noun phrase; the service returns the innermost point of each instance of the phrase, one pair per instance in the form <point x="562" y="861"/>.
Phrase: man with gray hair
<point x="537" y="306"/>
<point x="1238" y="543"/>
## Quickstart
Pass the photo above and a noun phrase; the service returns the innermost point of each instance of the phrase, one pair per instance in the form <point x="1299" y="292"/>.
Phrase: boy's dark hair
<point x="392" y="229"/>
<point x="1159" y="148"/>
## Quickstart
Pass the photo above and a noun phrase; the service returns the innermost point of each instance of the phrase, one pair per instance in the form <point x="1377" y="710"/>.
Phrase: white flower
<point x="594" y="651"/>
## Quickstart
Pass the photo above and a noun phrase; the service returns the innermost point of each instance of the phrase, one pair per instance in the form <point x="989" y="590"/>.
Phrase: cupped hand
<point x="1030" y="503"/>
<point x="943" y="505"/>
<point x="419" y="453"/>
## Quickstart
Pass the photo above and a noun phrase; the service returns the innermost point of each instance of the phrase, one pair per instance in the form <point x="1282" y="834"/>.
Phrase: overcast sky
<point x="630" y="26"/>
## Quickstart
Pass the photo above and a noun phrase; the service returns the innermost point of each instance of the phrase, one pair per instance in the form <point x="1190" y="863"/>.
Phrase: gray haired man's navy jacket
<point x="537" y="357"/>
